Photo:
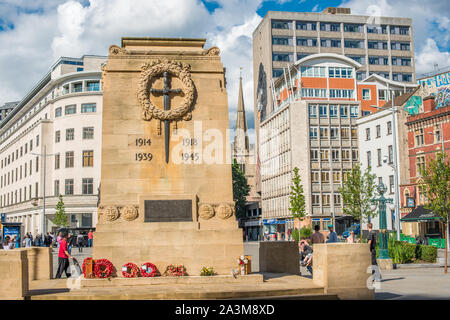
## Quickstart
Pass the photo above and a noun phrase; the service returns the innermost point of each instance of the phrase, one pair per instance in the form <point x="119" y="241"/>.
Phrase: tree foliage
<point x="357" y="192"/>
<point x="297" y="197"/>
<point x="60" y="216"/>
<point x="241" y="189"/>
<point x="436" y="177"/>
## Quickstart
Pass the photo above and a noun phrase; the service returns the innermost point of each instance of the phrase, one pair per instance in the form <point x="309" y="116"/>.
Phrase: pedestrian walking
<point x="58" y="238"/>
<point x="317" y="236"/>
<point x="90" y="238"/>
<point x="332" y="237"/>
<point x="372" y="240"/>
<point x="80" y="239"/>
<point x="28" y="241"/>
<point x="63" y="258"/>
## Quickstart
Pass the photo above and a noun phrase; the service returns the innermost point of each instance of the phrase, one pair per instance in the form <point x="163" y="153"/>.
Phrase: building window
<point x="344" y="111"/>
<point x="305" y="42"/>
<point x="437" y="133"/>
<point x="325" y="200"/>
<point x="300" y="25"/>
<point x="369" y="159"/>
<point x="366" y="94"/>
<point x="367" y="134"/>
<point x="56" y="193"/>
<point x="313" y="133"/>
<point x="323" y="110"/>
<point x="391" y="184"/>
<point x="325" y="177"/>
<point x="356" y="44"/>
<point x="323" y="133"/>
<point x="345" y="155"/>
<point x="335" y="27"/>
<point x="419" y="137"/>
<point x="336" y="177"/>
<point x="69" y="159"/>
<point x="333" y="111"/>
<point x="88" y="133"/>
<point x="88" y="158"/>
<point x="77" y="87"/>
<point x="70" y="134"/>
<point x="71" y="109"/>
<point x="313" y="111"/>
<point x="324" y="155"/>
<point x="88" y="107"/>
<point x="57" y="161"/>
<point x="37" y="164"/>
<point x="420" y="165"/>
<point x="378" y="131"/>
<point x="353" y="28"/>
<point x="277" y="73"/>
<point x="341" y="93"/>
<point x="330" y="43"/>
<point x="36" y="190"/>
<point x="334" y="132"/>
<point x="314" y="176"/>
<point x="281" y="25"/>
<point x="380" y="180"/>
<point x="345" y="133"/>
<point x="389" y="127"/>
<point x="379" y="157"/>
<point x="390" y="154"/>
<point x="316" y="72"/>
<point x="69" y="187"/>
<point x="421" y="194"/>
<point x="354" y="155"/>
<point x="93" y="86"/>
<point x="314" y="93"/>
<point x="337" y="199"/>
<point x="334" y="155"/>
<point x="57" y="136"/>
<point x="354" y="133"/>
<point x="315" y="199"/>
<point x="31" y="147"/>
<point x="354" y="111"/>
<point x="314" y="155"/>
<point x="88" y="185"/>
<point x="283" y="57"/>
<point x="337" y="72"/>
<point x="58" y="112"/>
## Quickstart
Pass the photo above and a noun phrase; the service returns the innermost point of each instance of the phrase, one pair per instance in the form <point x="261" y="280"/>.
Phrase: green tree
<point x="297" y="200"/>
<point x="357" y="191"/>
<point x="60" y="216"/>
<point x="436" y="177"/>
<point x="241" y="189"/>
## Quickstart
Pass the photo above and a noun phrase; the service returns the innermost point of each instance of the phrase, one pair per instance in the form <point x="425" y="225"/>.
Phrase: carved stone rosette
<point x="108" y="213"/>
<point x="176" y="69"/>
<point x="224" y="211"/>
<point x="129" y="213"/>
<point x="206" y="211"/>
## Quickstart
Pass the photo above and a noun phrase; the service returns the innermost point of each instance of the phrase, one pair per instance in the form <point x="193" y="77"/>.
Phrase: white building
<point x="62" y="117"/>
<point x="376" y="147"/>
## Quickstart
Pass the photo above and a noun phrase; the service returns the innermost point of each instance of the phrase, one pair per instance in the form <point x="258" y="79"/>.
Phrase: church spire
<point x="241" y="142"/>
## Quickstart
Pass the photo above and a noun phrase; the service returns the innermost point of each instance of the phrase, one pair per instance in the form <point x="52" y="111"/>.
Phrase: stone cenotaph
<point x="166" y="188"/>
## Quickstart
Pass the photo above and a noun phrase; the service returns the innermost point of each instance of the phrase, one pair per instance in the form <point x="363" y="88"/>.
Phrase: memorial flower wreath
<point x="149" y="270"/>
<point x="130" y="270"/>
<point x="175" y="271"/>
<point x="103" y="268"/>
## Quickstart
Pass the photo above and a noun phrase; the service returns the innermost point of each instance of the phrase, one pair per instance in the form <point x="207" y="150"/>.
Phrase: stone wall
<point x="14" y="270"/>
<point x="40" y="263"/>
<point x="342" y="269"/>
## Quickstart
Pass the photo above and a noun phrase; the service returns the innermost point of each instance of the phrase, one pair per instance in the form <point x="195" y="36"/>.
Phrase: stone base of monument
<point x="187" y="280"/>
<point x="191" y="244"/>
<point x="385" y="264"/>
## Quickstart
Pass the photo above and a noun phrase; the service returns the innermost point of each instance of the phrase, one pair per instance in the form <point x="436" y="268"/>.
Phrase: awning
<point x="420" y="214"/>
<point x="273" y="221"/>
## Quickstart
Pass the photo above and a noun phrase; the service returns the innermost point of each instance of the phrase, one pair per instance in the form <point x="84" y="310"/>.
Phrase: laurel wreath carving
<point x="177" y="69"/>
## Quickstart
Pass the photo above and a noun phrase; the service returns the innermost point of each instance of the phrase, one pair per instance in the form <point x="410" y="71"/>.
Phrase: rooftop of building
<point x="398" y="101"/>
<point x="9" y="105"/>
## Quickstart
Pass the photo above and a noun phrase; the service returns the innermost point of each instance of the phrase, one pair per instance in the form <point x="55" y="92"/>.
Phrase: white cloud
<point x="315" y="8"/>
<point x="429" y="55"/>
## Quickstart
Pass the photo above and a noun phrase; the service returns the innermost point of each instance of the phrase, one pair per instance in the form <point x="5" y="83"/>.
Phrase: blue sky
<point x="35" y="33"/>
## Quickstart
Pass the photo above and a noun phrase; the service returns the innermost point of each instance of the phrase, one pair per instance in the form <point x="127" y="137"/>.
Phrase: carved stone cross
<point x="166" y="91"/>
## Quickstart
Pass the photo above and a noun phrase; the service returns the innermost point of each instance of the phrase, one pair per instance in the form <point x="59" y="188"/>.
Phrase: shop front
<point x="277" y="229"/>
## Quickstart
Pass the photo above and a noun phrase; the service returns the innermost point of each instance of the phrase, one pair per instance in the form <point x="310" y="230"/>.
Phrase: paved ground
<point x="414" y="284"/>
<point x="87" y="252"/>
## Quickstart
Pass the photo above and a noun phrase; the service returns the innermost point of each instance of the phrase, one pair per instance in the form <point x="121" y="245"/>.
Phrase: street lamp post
<point x="44" y="155"/>
<point x="381" y="202"/>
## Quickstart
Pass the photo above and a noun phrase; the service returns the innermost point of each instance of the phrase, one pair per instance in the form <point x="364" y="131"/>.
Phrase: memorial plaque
<point x="167" y="210"/>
